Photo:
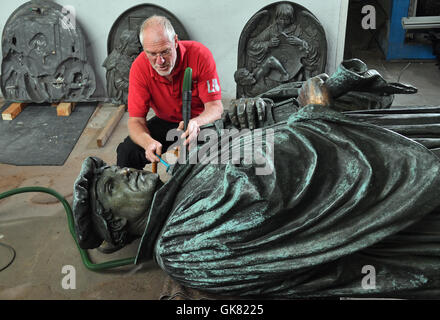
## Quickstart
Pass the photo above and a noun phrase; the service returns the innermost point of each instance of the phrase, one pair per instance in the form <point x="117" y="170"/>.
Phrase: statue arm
<point x="255" y="113"/>
<point x="259" y="45"/>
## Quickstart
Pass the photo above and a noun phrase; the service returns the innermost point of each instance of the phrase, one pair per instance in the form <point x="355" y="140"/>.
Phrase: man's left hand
<point x="191" y="132"/>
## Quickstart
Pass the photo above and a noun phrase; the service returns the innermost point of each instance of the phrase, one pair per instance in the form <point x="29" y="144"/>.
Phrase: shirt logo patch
<point x="214" y="87"/>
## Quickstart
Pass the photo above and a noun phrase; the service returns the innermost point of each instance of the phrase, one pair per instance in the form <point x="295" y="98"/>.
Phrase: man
<point x="342" y="195"/>
<point x="155" y="82"/>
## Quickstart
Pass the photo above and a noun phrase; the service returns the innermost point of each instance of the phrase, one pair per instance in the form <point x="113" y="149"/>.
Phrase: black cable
<point x="13" y="255"/>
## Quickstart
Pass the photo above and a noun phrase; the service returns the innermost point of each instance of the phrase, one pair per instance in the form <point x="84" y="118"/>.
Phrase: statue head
<point x="244" y="78"/>
<point x="129" y="43"/>
<point x="111" y="203"/>
<point x="284" y="14"/>
<point x="39" y="43"/>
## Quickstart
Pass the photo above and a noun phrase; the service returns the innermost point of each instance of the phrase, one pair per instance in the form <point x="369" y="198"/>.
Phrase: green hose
<point x="84" y="255"/>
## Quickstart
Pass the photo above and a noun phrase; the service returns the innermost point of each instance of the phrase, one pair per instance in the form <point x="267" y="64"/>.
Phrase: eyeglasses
<point x="164" y="54"/>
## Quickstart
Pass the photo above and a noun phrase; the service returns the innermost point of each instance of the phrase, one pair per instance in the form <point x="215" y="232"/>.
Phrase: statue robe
<point x="348" y="210"/>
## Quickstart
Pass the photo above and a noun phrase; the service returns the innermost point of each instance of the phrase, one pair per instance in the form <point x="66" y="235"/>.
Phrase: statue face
<point x="130" y="42"/>
<point x="284" y="15"/>
<point x="284" y="21"/>
<point x="126" y="192"/>
<point x="133" y="48"/>
<point x="244" y="77"/>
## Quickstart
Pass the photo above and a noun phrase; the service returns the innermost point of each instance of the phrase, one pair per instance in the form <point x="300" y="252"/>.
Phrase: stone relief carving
<point x="283" y="42"/>
<point x="44" y="56"/>
<point x="118" y="65"/>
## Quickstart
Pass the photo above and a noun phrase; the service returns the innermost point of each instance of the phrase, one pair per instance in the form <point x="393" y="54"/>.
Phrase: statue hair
<point x="284" y="10"/>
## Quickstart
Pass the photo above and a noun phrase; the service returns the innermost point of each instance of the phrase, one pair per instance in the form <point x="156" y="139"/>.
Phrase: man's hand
<point x="213" y="111"/>
<point x="314" y="91"/>
<point x="191" y="132"/>
<point x="139" y="133"/>
<point x="153" y="148"/>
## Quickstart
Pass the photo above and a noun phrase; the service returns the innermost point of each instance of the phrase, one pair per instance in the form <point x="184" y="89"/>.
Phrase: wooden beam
<point x="111" y="124"/>
<point x="13" y="110"/>
<point x="64" y="109"/>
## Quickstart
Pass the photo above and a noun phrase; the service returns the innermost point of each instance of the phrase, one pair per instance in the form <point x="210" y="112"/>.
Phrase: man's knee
<point x="123" y="149"/>
<point x="130" y="155"/>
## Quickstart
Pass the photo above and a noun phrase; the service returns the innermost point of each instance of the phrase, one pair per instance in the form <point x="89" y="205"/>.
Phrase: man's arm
<point x="213" y="111"/>
<point x="139" y="133"/>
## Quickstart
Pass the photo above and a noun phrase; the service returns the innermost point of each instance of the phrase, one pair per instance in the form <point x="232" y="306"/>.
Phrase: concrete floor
<point x="35" y="224"/>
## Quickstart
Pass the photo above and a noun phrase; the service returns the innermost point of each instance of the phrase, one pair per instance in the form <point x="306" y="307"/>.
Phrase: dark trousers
<point x="131" y="155"/>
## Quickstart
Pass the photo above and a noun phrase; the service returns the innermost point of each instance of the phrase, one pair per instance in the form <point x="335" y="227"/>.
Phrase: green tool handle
<point x="84" y="255"/>
<point x="186" y="97"/>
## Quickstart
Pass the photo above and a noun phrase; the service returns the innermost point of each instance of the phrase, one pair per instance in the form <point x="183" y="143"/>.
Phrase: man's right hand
<point x="139" y="133"/>
<point x="153" y="149"/>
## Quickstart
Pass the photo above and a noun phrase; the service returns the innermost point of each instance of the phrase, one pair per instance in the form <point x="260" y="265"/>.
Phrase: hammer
<point x="186" y="108"/>
<point x="186" y="98"/>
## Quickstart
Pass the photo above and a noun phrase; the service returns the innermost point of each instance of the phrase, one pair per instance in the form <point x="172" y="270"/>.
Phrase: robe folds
<point x="347" y="209"/>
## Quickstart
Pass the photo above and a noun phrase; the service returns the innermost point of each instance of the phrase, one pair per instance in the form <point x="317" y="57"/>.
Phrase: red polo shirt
<point x="147" y="89"/>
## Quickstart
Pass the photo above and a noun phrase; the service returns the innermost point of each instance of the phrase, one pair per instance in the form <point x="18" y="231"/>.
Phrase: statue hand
<point x="295" y="41"/>
<point x="314" y="91"/>
<point x="246" y="113"/>
<point x="121" y="84"/>
<point x="274" y="42"/>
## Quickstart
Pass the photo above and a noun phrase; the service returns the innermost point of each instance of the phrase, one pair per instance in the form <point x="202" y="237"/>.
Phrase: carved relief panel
<point x="44" y="56"/>
<point x="283" y="42"/>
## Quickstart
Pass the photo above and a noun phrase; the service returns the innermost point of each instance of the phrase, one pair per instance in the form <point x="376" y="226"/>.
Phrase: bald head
<point x="155" y="28"/>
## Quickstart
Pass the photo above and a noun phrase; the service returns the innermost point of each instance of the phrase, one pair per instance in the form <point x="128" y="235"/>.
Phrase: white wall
<point x="215" y="23"/>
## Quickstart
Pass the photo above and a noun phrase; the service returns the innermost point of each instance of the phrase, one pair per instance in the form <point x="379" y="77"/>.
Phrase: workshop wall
<point x="217" y="24"/>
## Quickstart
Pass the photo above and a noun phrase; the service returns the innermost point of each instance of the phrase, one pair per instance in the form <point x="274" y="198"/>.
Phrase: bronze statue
<point x="340" y="194"/>
<point x="118" y="65"/>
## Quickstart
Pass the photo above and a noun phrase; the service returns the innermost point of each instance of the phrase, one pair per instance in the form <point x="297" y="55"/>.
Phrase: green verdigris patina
<point x="336" y="195"/>
<point x="340" y="193"/>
